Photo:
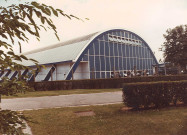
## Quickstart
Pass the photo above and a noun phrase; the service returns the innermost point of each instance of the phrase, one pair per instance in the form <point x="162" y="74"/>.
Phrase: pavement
<point x="34" y="103"/>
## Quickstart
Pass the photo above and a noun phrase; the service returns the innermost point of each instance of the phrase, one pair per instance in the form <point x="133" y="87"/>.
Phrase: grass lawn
<point x="60" y="92"/>
<point x="108" y="120"/>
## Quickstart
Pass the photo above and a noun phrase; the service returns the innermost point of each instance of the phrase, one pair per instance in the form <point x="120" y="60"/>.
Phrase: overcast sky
<point x="148" y="18"/>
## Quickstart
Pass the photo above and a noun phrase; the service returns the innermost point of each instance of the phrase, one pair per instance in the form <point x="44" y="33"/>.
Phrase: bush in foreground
<point x="154" y="94"/>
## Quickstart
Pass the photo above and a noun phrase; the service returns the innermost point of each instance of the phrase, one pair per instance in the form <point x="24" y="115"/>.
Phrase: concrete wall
<point x="61" y="71"/>
<point x="82" y="71"/>
<point x="42" y="74"/>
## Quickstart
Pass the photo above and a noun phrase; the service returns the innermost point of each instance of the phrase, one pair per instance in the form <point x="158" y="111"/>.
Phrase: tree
<point x="175" y="46"/>
<point x="17" y="24"/>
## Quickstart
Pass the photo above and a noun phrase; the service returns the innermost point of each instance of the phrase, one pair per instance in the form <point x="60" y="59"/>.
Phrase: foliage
<point x="157" y="94"/>
<point x="175" y="46"/>
<point x="99" y="83"/>
<point x="17" y="24"/>
<point x="11" y="122"/>
<point x="11" y="87"/>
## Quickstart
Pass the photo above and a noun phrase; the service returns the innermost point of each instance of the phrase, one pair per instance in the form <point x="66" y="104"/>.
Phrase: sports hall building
<point x="98" y="55"/>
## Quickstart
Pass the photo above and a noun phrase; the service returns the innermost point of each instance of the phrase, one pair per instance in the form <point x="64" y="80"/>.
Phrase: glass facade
<point x="118" y="51"/>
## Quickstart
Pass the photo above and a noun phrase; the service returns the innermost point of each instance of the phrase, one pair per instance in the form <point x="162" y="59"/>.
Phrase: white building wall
<point x="62" y="70"/>
<point x="43" y="73"/>
<point x="82" y="71"/>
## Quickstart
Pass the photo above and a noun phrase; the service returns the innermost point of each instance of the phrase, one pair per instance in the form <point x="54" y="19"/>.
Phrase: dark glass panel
<point x="120" y="63"/>
<point x="118" y="33"/>
<point x="107" y="64"/>
<point x="144" y="64"/>
<point x="102" y="74"/>
<point x="124" y="50"/>
<point x="106" y="37"/>
<point x="107" y="49"/>
<point x="91" y="50"/>
<point x="126" y="34"/>
<point x="102" y="44"/>
<point x="124" y="63"/>
<point x="108" y="74"/>
<point x="115" y="49"/>
<point x="134" y="51"/>
<point x="96" y="45"/>
<point x="91" y="62"/>
<point x="130" y="47"/>
<point x="92" y="74"/>
<point x="111" y="49"/>
<point x="116" y="63"/>
<point x="97" y="63"/>
<point x="101" y="37"/>
<point x="112" y="63"/>
<point x="127" y="51"/>
<point x="143" y="53"/>
<point x="97" y="75"/>
<point x="85" y="58"/>
<point x="122" y="34"/>
<point x="102" y="63"/>
<point x="128" y="63"/>
<point x="120" y="50"/>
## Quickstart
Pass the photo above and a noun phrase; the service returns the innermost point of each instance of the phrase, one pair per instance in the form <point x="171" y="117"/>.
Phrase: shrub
<point x="100" y="83"/>
<point x="158" y="94"/>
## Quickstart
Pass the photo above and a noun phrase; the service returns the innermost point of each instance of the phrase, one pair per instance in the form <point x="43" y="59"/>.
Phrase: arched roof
<point x="58" y="53"/>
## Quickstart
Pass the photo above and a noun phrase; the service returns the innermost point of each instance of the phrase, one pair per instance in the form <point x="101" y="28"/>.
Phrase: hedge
<point x="100" y="83"/>
<point x="154" y="94"/>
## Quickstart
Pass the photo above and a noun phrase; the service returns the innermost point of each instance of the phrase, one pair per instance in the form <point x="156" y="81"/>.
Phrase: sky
<point x="148" y="18"/>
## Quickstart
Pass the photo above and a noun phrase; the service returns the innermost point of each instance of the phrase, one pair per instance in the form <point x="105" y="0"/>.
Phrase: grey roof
<point x="65" y="51"/>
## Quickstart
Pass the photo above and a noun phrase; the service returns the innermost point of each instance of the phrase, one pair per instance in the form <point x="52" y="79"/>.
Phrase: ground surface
<point x="108" y="120"/>
<point x="61" y="101"/>
<point x="59" y="92"/>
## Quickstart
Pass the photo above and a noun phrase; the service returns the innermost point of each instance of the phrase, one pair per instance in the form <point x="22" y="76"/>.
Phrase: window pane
<point x="97" y="63"/>
<point x="102" y="63"/>
<point x="91" y="62"/>
<point x="107" y="64"/>
<point x="96" y="45"/>
<point x="106" y="49"/>
<point x="102" y="44"/>
<point x="115" y="49"/>
<point x="120" y="50"/>
<point x="103" y="74"/>
<point x="108" y="74"/>
<point x="97" y="75"/>
<point x="91" y="50"/>
<point x="116" y="63"/>
<point x="120" y="63"/>
<point x="85" y="58"/>
<point x="112" y="63"/>
<point x="111" y="49"/>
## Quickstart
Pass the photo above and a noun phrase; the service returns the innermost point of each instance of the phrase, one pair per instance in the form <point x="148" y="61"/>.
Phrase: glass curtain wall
<point x="118" y="51"/>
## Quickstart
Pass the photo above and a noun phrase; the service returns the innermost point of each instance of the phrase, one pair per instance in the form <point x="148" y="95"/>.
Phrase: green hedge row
<point x="100" y="83"/>
<point x="157" y="94"/>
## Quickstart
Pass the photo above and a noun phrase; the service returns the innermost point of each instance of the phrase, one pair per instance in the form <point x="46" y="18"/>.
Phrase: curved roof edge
<point x="78" y="58"/>
<point x="67" y="42"/>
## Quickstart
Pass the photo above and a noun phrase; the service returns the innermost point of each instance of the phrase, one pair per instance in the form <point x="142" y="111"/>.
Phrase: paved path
<point x="61" y="101"/>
